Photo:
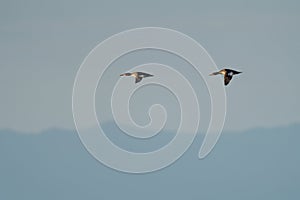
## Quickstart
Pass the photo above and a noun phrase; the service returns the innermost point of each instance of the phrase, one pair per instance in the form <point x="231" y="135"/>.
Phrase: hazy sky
<point x="44" y="43"/>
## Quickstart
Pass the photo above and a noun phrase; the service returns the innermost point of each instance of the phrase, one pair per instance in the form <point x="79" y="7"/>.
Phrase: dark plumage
<point x="137" y="75"/>
<point x="227" y="73"/>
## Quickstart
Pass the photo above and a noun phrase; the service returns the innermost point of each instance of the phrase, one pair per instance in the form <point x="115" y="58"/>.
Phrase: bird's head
<point x="125" y="74"/>
<point x="223" y="71"/>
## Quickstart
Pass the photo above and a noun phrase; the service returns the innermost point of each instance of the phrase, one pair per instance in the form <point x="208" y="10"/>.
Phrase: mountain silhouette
<point x="255" y="164"/>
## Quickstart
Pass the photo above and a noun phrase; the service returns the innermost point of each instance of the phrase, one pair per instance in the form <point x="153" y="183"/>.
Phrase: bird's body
<point x="137" y="75"/>
<point x="227" y="73"/>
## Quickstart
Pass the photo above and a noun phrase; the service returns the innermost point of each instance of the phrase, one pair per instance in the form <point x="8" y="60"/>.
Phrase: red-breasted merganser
<point x="137" y="75"/>
<point x="227" y="73"/>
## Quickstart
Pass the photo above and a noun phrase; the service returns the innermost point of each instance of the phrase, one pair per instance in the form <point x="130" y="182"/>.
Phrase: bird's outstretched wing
<point x="138" y="79"/>
<point x="227" y="79"/>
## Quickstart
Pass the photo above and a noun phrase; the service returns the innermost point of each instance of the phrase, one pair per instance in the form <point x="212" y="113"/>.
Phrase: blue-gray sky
<point x="44" y="43"/>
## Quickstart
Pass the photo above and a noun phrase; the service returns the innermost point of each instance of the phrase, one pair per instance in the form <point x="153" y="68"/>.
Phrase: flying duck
<point x="227" y="73"/>
<point x="137" y="75"/>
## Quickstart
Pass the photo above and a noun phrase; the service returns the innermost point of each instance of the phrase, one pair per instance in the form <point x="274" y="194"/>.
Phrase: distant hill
<point x="255" y="164"/>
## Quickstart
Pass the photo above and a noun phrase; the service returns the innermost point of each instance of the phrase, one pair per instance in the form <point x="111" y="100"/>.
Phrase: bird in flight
<point x="137" y="75"/>
<point x="227" y="73"/>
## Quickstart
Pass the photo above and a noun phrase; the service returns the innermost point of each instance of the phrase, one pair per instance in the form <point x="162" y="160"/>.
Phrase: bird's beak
<point x="215" y="73"/>
<point x="122" y="74"/>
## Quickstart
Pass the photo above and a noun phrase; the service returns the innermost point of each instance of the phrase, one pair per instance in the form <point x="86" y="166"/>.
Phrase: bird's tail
<point x="149" y="75"/>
